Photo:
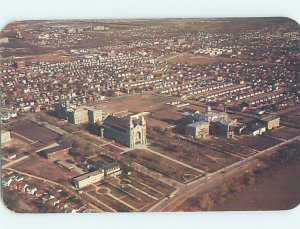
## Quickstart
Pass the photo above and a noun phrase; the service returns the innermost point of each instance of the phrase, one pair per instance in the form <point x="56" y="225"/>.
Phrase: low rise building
<point x="112" y="169"/>
<point x="271" y="122"/>
<point x="254" y="129"/>
<point x="56" y="152"/>
<point x="88" y="179"/>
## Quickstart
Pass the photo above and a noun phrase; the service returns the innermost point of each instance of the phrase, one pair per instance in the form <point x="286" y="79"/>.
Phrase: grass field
<point x="159" y="164"/>
<point x="34" y="132"/>
<point x="135" y="103"/>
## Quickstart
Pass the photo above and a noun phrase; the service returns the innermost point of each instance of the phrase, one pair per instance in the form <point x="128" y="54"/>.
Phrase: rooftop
<point x="87" y="175"/>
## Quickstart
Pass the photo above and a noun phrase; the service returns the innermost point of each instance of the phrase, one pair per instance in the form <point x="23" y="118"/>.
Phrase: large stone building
<point x="198" y="129"/>
<point x="129" y="131"/>
<point x="5" y="136"/>
<point x="78" y="115"/>
<point x="223" y="127"/>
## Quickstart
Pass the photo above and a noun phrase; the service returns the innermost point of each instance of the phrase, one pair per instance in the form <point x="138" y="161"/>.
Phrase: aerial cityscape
<point x="150" y="115"/>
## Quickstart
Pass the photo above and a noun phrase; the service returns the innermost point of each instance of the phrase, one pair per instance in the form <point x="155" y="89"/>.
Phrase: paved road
<point x="213" y="180"/>
<point x="174" y="160"/>
<point x="14" y="162"/>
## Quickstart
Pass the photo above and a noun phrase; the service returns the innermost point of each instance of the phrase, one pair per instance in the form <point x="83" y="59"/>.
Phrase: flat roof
<point x="198" y="123"/>
<point x="56" y="148"/>
<point x="87" y="175"/>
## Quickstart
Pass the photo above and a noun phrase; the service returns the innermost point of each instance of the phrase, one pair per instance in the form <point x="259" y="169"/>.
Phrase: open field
<point x="230" y="145"/>
<point x="34" y="132"/>
<point x="164" y="166"/>
<point x="16" y="145"/>
<point x="292" y="117"/>
<point x="168" y="115"/>
<point x="196" y="154"/>
<point x="135" y="103"/>
<point x="285" y="132"/>
<point x="152" y="122"/>
<point x="41" y="167"/>
<point x="258" y="142"/>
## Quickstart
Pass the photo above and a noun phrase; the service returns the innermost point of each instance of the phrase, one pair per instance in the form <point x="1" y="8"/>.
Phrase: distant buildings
<point x="4" y="40"/>
<point x="205" y="116"/>
<point x="129" y="131"/>
<point x="5" y="136"/>
<point x="7" y="115"/>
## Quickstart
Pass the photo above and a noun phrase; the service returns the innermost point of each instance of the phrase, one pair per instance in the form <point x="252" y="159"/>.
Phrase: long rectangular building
<point x="88" y="179"/>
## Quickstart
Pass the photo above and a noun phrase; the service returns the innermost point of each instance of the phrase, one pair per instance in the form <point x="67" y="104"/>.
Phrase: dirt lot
<point x="230" y="145"/>
<point x="34" y="132"/>
<point x="112" y="148"/>
<point x="135" y="103"/>
<point x="151" y="122"/>
<point x="285" y="132"/>
<point x="292" y="116"/>
<point x="16" y="145"/>
<point x="159" y="164"/>
<point x="258" y="142"/>
<point x="41" y="167"/>
<point x="168" y="115"/>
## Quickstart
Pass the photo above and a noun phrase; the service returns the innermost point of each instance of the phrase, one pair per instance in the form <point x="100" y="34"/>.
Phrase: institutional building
<point x="5" y="136"/>
<point x="129" y="131"/>
<point x="223" y="127"/>
<point x="88" y="179"/>
<point x="206" y="116"/>
<point x="198" y="129"/>
<point x="56" y="152"/>
<point x="78" y="115"/>
<point x="271" y="122"/>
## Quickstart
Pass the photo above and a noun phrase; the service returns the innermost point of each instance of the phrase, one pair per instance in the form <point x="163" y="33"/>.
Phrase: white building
<point x="88" y="179"/>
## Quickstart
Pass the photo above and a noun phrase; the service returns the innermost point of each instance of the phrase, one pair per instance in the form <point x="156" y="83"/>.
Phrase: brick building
<point x="56" y="152"/>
